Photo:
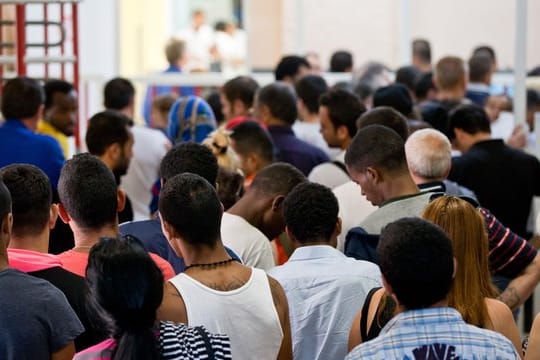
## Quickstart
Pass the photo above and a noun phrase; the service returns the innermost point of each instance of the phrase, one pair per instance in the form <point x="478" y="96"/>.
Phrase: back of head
<point x="87" y="190"/>
<point x="241" y="88"/>
<point x="126" y="289"/>
<point x="280" y="99"/>
<point x="341" y="61"/>
<point x="480" y="67"/>
<point x="21" y="98"/>
<point x="417" y="261"/>
<point x="189" y="158"/>
<point x="289" y="67"/>
<point x="385" y="116"/>
<point x="470" y="118"/>
<point x="118" y="93"/>
<point x="309" y="89"/>
<point x="191" y="206"/>
<point x="424" y="85"/>
<point x="311" y="213"/>
<point x="31" y="197"/>
<point x="230" y="187"/>
<point x="467" y="231"/>
<point x="344" y="108"/>
<point x="277" y="179"/>
<point x="377" y="146"/>
<point x="422" y="50"/>
<point x="174" y="50"/>
<point x="408" y="76"/>
<point x="250" y="137"/>
<point x="5" y="204"/>
<point x="485" y="50"/>
<point x="190" y="119"/>
<point x="449" y="73"/>
<point x="429" y="154"/>
<point x="104" y="129"/>
<point x="396" y="96"/>
<point x="55" y="86"/>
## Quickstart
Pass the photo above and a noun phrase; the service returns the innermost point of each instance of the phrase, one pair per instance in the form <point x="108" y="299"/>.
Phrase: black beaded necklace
<point x="209" y="265"/>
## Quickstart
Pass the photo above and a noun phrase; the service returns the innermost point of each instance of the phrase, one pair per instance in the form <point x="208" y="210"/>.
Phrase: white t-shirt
<point x="149" y="148"/>
<point x="198" y="45"/>
<point x="329" y="174"/>
<point x="353" y="209"/>
<point x="247" y="241"/>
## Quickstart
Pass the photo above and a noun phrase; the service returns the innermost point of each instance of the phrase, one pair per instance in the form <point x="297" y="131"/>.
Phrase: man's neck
<point x="438" y="304"/>
<point x="86" y="238"/>
<point x="204" y="254"/>
<point x="402" y="185"/>
<point x="312" y="118"/>
<point x="30" y="123"/>
<point x="38" y="243"/>
<point x="474" y="139"/>
<point x="250" y="208"/>
<point x="456" y="94"/>
<point x="276" y="122"/>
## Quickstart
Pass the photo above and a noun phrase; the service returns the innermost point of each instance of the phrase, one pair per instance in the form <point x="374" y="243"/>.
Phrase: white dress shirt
<point x="329" y="174"/>
<point x="325" y="289"/>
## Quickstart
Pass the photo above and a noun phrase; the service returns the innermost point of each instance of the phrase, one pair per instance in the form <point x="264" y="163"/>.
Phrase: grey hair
<point x="429" y="154"/>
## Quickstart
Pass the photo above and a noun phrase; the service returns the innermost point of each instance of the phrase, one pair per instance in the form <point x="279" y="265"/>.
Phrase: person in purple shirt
<point x="175" y="53"/>
<point x="22" y="107"/>
<point x="275" y="105"/>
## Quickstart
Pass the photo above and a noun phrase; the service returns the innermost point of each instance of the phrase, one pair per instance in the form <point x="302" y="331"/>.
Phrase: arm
<point x="66" y="353"/>
<point x="533" y="349"/>
<point x="522" y="286"/>
<point x="282" y="307"/>
<point x="172" y="307"/>
<point x="355" y="338"/>
<point x="503" y="322"/>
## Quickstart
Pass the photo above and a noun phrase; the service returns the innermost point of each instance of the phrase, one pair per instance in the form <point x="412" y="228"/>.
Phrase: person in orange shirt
<point x="90" y="201"/>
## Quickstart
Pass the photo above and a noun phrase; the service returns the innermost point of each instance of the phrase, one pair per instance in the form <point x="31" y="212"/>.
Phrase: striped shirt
<point x="175" y="341"/>
<point x="434" y="333"/>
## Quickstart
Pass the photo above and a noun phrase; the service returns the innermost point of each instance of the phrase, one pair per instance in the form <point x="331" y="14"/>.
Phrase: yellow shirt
<point x="47" y="129"/>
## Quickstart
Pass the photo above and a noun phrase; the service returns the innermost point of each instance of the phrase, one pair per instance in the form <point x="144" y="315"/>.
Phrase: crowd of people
<point x="374" y="219"/>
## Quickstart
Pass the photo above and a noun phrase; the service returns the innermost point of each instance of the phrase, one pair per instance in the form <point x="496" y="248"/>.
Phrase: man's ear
<point x="167" y="228"/>
<point x="64" y="216"/>
<point x="373" y="174"/>
<point x="342" y="132"/>
<point x="277" y="202"/>
<point x="238" y="107"/>
<point x="291" y="237"/>
<point x="53" y="216"/>
<point x="264" y="112"/>
<point x="121" y="200"/>
<point x="7" y="226"/>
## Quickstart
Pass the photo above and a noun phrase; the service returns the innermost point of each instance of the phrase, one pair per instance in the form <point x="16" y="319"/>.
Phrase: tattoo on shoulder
<point x="510" y="297"/>
<point x="234" y="284"/>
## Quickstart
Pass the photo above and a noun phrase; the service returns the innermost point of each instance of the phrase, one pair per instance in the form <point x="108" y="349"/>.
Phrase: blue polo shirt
<point x="294" y="151"/>
<point x="19" y="144"/>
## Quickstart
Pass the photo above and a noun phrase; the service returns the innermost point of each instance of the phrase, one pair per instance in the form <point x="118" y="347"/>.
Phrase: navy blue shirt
<point x="294" y="151"/>
<point x="149" y="232"/>
<point x="18" y="144"/>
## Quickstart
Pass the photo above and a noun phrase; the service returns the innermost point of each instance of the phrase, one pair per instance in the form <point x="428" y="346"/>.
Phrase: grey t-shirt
<point x="35" y="317"/>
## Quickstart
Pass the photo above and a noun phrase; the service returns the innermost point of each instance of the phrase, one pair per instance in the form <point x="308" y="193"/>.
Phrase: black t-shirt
<point x="74" y="288"/>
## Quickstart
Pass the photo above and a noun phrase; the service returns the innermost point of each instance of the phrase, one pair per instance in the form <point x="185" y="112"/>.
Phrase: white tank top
<point x="247" y="314"/>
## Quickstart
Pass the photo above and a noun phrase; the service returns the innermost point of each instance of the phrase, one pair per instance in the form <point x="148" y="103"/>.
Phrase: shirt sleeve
<point x="60" y="319"/>
<point x="509" y="254"/>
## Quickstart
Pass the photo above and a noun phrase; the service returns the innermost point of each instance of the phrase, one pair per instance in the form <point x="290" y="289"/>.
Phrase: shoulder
<point x="499" y="313"/>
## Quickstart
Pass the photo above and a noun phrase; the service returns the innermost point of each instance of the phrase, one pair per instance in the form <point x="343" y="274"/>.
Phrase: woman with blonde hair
<point x="472" y="294"/>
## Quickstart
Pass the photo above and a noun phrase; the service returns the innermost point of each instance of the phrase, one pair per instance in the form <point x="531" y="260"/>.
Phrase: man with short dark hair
<point x="418" y="267"/>
<point x="60" y="114"/>
<point x="37" y="321"/>
<point x="480" y="73"/>
<point x="254" y="148"/>
<point x="149" y="147"/>
<point x="275" y="105"/>
<point x="215" y="291"/>
<point x="421" y="54"/>
<point x="186" y="157"/>
<point x="291" y="68"/>
<point x="505" y="180"/>
<point x="89" y="203"/>
<point x="324" y="288"/>
<point x="22" y="107"/>
<point x="396" y="96"/>
<point x="34" y="215"/>
<point x="257" y="218"/>
<point x="338" y="111"/>
<point x="341" y="61"/>
<point x="309" y="89"/>
<point x="237" y="96"/>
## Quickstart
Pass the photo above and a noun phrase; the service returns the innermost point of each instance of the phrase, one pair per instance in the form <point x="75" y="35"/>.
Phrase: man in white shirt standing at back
<point x="199" y="38"/>
<point x="324" y="288"/>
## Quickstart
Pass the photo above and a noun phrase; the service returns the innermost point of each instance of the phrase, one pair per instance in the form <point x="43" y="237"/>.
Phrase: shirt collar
<point x="414" y="318"/>
<point x="315" y="252"/>
<point x="480" y="87"/>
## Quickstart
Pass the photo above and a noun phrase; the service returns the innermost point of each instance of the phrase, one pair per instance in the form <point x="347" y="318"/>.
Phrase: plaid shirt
<point x="434" y="333"/>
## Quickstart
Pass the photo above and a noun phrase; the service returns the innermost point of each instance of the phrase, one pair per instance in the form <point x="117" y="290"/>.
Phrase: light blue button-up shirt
<point x="325" y="289"/>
